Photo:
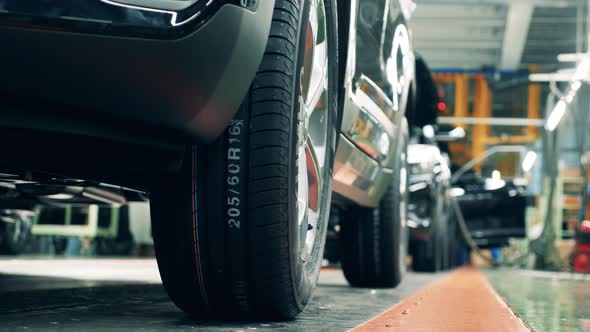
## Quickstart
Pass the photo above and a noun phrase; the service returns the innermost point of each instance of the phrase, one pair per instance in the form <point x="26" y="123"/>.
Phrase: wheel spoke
<point x="315" y="100"/>
<point x="313" y="177"/>
<point x="319" y="60"/>
<point x="313" y="197"/>
<point x="317" y="84"/>
<point x="302" y="187"/>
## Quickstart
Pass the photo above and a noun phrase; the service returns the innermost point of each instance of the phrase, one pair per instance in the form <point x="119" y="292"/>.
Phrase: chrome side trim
<point x="357" y="176"/>
<point x="370" y="122"/>
<point x="165" y="5"/>
<point x="174" y="20"/>
<point x="157" y="19"/>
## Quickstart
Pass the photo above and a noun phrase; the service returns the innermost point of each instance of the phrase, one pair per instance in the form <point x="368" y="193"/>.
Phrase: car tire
<point x="444" y="237"/>
<point x="332" y="248"/>
<point x="453" y="245"/>
<point x="425" y="258"/>
<point x="429" y="255"/>
<point x="230" y="232"/>
<point x="374" y="241"/>
<point x="15" y="234"/>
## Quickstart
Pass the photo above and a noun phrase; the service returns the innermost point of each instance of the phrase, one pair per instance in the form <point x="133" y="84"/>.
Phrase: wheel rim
<point x="403" y="190"/>
<point x="312" y="128"/>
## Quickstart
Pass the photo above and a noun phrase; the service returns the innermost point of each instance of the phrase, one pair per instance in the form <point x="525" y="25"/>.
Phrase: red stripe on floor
<point x="462" y="301"/>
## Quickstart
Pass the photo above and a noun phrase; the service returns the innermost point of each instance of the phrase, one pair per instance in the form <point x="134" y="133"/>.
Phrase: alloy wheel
<point x="312" y="129"/>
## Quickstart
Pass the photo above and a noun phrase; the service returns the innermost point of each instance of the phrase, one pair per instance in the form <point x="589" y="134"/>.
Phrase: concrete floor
<point x="126" y="294"/>
<point x="117" y="294"/>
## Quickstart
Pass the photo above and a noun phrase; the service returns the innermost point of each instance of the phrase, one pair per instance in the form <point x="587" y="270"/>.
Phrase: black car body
<point x="165" y="64"/>
<point x="493" y="213"/>
<point x="122" y="84"/>
<point x="494" y="205"/>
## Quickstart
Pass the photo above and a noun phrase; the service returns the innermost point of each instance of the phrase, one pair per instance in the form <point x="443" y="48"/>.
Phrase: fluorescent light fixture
<point x="576" y="85"/>
<point x="570" y="97"/>
<point x="556" y="115"/>
<point x="570" y="57"/>
<point x="582" y="69"/>
<point x="529" y="161"/>
<point x="549" y="77"/>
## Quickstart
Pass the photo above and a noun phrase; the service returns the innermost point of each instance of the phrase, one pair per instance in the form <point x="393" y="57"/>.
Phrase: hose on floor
<point x="469" y="239"/>
<point x="467" y="235"/>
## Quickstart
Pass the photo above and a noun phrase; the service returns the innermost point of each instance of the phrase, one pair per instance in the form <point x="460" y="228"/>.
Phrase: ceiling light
<point x="529" y="161"/>
<point x="582" y="69"/>
<point x="570" y="57"/>
<point x="549" y="77"/>
<point x="556" y="115"/>
<point x="575" y="85"/>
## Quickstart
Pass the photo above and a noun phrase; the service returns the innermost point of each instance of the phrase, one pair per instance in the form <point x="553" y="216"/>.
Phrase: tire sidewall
<point x="403" y="236"/>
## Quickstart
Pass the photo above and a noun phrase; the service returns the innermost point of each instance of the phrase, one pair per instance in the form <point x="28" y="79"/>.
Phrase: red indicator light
<point x="441" y="106"/>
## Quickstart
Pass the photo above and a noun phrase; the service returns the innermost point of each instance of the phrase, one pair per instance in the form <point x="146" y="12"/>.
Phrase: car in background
<point x="434" y="241"/>
<point x="435" y="238"/>
<point x="492" y="193"/>
<point x="226" y="115"/>
<point x="370" y="169"/>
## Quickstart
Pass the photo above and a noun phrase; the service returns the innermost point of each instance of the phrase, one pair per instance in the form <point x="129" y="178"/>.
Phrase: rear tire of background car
<point x="426" y="258"/>
<point x="240" y="230"/>
<point x="374" y="241"/>
<point x="429" y="255"/>
<point x="15" y="233"/>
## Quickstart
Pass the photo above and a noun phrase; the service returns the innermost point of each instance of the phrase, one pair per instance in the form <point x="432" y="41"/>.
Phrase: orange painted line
<point x="329" y="268"/>
<point x="462" y="301"/>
